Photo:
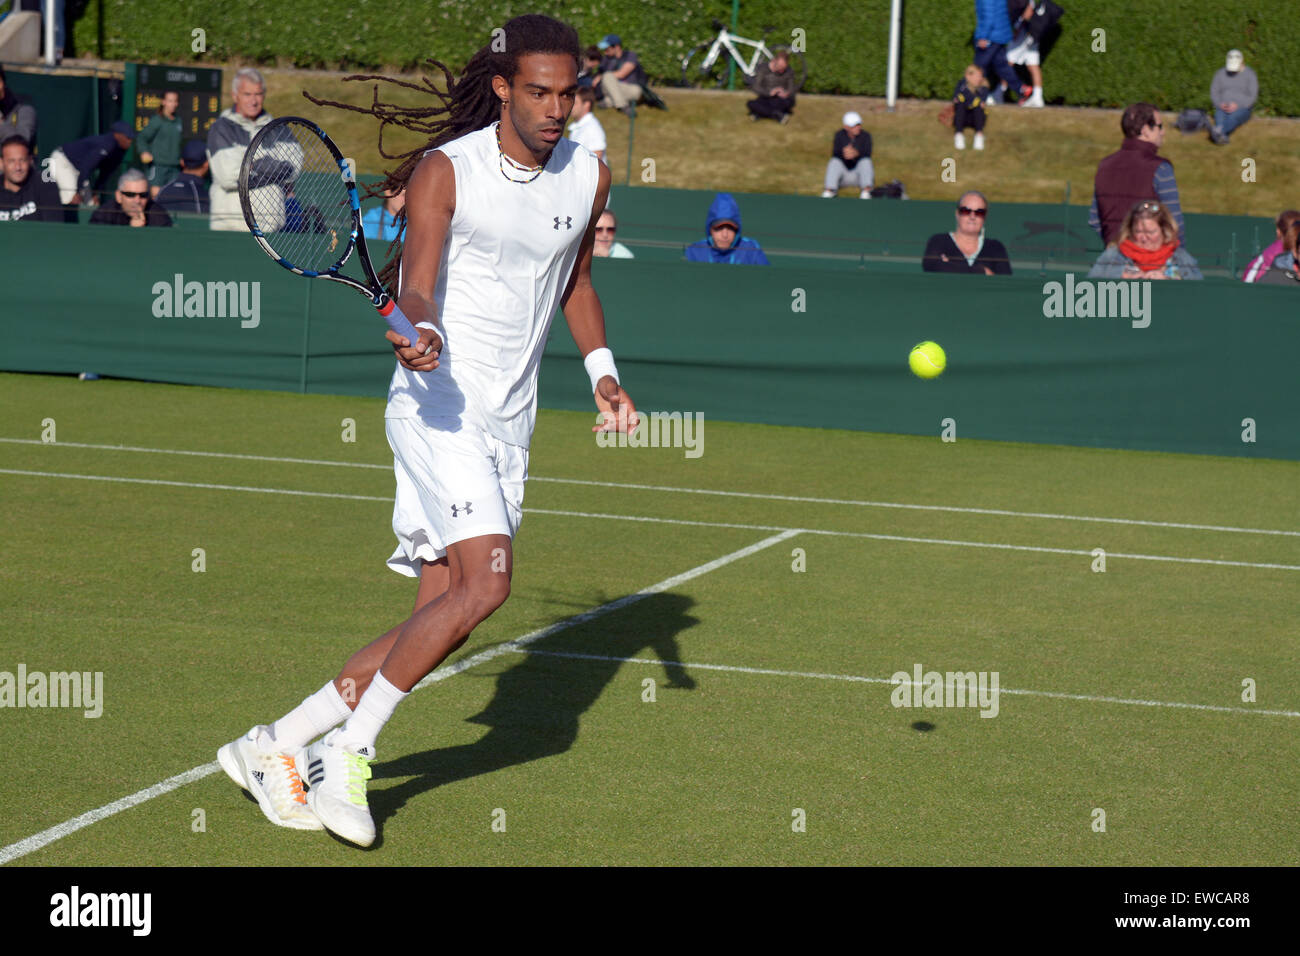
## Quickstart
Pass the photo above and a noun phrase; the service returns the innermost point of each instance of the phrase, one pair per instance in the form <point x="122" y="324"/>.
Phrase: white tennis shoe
<point x="274" y="779"/>
<point x="337" y="776"/>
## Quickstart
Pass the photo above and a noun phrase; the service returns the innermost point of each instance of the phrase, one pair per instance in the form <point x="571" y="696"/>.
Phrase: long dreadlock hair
<point x="462" y="106"/>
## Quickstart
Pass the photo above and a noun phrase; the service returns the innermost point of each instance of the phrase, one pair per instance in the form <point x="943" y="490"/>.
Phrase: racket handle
<point x="398" y="322"/>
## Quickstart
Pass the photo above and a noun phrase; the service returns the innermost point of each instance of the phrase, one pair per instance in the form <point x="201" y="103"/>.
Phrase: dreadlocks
<point x="465" y="105"/>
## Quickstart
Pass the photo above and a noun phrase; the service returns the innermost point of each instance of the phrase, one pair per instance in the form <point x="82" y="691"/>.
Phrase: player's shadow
<point x="540" y="698"/>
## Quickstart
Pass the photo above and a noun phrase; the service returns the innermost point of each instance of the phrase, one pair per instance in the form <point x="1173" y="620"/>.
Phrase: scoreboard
<point x="199" y="90"/>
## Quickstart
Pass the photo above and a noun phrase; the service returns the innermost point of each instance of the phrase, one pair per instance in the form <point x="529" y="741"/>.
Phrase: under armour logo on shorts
<point x="455" y="511"/>
<point x="568" y="222"/>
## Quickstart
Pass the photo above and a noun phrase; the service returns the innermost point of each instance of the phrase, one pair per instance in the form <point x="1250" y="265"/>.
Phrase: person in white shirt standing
<point x="584" y="128"/>
<point x="500" y="224"/>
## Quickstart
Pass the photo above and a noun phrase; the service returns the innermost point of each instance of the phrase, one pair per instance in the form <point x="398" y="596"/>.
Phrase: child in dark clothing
<point x="968" y="107"/>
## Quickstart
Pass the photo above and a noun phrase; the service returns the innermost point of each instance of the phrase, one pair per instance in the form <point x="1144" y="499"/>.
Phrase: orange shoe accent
<point x="295" y="781"/>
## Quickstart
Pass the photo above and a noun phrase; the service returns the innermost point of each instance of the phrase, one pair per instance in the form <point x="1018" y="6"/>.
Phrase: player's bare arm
<point x="586" y="318"/>
<point x="430" y="204"/>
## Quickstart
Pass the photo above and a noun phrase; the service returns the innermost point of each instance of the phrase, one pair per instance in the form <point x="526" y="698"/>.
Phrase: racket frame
<point x="372" y="289"/>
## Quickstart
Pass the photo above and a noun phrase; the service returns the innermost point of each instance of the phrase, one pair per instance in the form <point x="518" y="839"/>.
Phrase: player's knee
<point x="485" y="595"/>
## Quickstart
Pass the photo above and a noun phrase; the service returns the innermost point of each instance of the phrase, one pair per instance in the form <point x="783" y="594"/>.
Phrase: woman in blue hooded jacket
<point x="724" y="242"/>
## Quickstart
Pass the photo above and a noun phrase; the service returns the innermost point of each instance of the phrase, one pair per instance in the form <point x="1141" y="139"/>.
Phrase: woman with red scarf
<point x="1147" y="248"/>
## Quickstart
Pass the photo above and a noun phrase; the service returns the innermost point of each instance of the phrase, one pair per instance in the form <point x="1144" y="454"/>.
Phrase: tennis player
<point x="500" y="218"/>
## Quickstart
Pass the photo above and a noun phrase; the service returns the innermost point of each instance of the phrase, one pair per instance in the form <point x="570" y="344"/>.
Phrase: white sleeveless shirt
<point x="510" y="250"/>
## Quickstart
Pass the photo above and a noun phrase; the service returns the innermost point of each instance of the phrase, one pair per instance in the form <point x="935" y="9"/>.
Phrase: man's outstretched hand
<point x="422" y="358"/>
<point x="615" y="406"/>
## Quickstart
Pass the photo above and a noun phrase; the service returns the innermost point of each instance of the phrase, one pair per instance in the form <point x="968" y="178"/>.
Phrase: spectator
<point x="1146" y="248"/>
<point x="585" y="129"/>
<point x="24" y="195"/>
<point x="1024" y="49"/>
<point x="967" y="251"/>
<point x="1233" y="91"/>
<point x="774" y="82"/>
<point x="1276" y="252"/>
<point x="228" y="140"/>
<point x="968" y="107"/>
<point x="381" y="222"/>
<point x="724" y="242"/>
<point x="132" y="206"/>
<point x="621" y="75"/>
<point x="589" y="75"/>
<point x="1133" y="173"/>
<point x="1283" y="271"/>
<point x="188" y="192"/>
<point x="299" y="218"/>
<point x="992" y="34"/>
<point x="605" y="246"/>
<point x="160" y="143"/>
<point x="850" y="162"/>
<point x="16" y="119"/>
<point x="83" y="165"/>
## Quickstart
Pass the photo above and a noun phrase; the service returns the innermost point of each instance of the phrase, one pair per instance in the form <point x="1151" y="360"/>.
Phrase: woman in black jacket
<point x="966" y="250"/>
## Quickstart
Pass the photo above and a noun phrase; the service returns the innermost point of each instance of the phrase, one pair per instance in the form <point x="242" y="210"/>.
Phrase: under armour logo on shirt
<point x="455" y="511"/>
<point x="568" y="222"/>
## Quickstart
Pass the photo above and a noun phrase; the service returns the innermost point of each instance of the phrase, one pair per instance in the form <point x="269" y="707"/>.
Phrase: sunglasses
<point x="143" y="195"/>
<point x="604" y="228"/>
<point x="968" y="211"/>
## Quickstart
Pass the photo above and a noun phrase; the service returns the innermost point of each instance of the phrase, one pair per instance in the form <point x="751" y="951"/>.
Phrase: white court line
<point x="196" y="484"/>
<point x="1089" y="698"/>
<point x="38" y="840"/>
<point x="906" y="539"/>
<point x="693" y="491"/>
<point x="59" y="831"/>
<point x="666" y="585"/>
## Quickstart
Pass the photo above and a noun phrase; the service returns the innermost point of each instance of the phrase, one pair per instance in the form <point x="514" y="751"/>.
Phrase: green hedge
<point x="1164" y="52"/>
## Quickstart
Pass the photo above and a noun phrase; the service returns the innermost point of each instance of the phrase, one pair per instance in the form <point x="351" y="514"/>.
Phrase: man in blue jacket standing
<point x="724" y="242"/>
<point x="992" y="34"/>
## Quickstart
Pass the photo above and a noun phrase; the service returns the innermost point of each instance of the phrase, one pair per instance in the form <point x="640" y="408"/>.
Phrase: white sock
<point x="321" y="712"/>
<point x="373" y="710"/>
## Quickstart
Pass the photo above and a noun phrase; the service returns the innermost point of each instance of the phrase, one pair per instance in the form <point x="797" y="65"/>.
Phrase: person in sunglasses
<point x="605" y="246"/>
<point x="131" y="205"/>
<point x="1146" y="248"/>
<point x="1134" y="172"/>
<point x="966" y="250"/>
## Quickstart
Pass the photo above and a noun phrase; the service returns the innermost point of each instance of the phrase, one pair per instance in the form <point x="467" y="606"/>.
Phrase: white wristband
<point x="599" y="363"/>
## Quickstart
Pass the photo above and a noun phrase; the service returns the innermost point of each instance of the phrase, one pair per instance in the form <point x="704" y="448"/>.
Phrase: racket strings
<point x="298" y="200"/>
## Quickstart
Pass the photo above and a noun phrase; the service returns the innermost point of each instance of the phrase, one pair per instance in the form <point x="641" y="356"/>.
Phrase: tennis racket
<point x="299" y="197"/>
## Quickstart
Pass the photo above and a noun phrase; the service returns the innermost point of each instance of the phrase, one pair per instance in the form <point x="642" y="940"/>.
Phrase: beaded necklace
<point x="535" y="170"/>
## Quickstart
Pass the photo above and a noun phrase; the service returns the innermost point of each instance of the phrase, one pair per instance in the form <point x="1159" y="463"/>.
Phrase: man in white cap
<point x="850" y="163"/>
<point x="1233" y="92"/>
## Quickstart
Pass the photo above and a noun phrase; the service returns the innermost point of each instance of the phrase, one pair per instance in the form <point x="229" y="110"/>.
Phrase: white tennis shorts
<point x="451" y="485"/>
<point x="1024" y="51"/>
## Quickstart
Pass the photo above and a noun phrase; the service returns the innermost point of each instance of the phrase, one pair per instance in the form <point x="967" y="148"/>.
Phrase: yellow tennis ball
<point x="927" y="360"/>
